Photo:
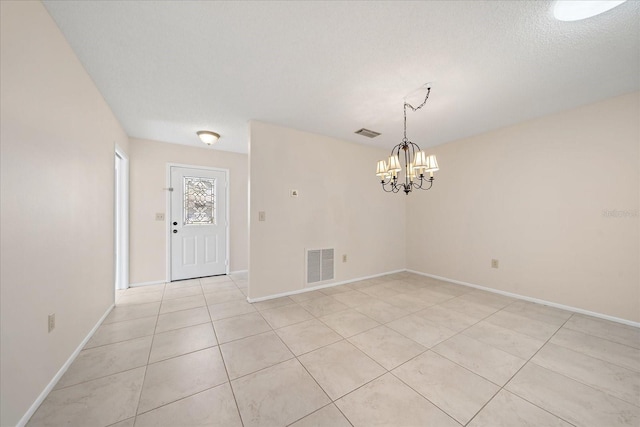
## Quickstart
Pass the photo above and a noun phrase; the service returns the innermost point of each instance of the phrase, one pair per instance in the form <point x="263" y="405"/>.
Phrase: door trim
<point x="122" y="238"/>
<point x="167" y="215"/>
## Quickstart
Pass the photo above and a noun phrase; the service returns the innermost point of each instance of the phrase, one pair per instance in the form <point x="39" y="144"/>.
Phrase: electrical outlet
<point x="160" y="216"/>
<point x="52" y="322"/>
<point x="262" y="216"/>
<point x="494" y="263"/>
<point x="344" y="258"/>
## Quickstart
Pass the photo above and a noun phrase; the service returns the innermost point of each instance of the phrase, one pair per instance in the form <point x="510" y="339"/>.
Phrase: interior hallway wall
<point x="57" y="147"/>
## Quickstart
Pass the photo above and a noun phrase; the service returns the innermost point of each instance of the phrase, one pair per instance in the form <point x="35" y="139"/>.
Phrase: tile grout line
<point x="201" y="391"/>
<point x="500" y="388"/>
<point x="331" y="401"/>
<point x="427" y="349"/>
<point x="637" y="370"/>
<point x="226" y="370"/>
<point x="387" y="371"/>
<point x="520" y="369"/>
<point x="600" y="337"/>
<point x="144" y="377"/>
<point x="318" y="410"/>
<point x="575" y="379"/>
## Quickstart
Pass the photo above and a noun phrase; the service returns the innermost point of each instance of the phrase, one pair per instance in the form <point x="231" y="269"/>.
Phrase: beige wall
<point x="533" y="197"/>
<point x="340" y="205"/>
<point x="148" y="178"/>
<point x="57" y="174"/>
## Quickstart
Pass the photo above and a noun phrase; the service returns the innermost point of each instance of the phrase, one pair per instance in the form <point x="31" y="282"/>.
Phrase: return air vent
<point x="320" y="265"/>
<point x="368" y="133"/>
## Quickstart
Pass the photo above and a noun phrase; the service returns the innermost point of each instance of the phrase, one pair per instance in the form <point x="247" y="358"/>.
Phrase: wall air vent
<point x="368" y="133"/>
<point x="320" y="265"/>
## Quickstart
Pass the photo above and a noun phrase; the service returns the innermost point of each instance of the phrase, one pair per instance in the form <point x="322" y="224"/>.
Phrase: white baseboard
<point x="34" y="407"/>
<point x="238" y="271"/>
<point x="153" y="282"/>
<point x="315" y="288"/>
<point x="530" y="299"/>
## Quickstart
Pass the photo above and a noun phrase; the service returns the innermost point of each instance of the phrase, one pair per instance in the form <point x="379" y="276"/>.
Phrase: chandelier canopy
<point x="416" y="163"/>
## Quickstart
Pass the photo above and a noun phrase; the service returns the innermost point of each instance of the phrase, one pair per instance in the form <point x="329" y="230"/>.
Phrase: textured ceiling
<point x="170" y="68"/>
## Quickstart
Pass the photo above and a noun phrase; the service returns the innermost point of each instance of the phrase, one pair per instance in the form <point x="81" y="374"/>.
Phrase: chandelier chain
<point x="406" y="104"/>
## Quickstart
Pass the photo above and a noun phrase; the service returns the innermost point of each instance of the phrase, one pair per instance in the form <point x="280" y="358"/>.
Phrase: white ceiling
<point x="170" y="68"/>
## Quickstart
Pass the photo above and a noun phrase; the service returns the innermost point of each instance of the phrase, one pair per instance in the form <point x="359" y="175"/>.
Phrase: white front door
<point x="198" y="222"/>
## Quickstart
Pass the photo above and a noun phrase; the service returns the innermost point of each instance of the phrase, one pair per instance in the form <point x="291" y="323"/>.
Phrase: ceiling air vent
<point x="368" y="133"/>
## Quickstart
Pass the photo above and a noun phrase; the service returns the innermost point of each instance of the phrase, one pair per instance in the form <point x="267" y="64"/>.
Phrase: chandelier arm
<point x="430" y="184"/>
<point x="394" y="189"/>
<point x="422" y="181"/>
<point x="392" y="183"/>
<point x="407" y="177"/>
<point x="415" y="147"/>
<point x="384" y="188"/>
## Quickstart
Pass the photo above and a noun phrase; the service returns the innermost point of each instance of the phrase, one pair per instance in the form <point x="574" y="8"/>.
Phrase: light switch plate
<point x="262" y="216"/>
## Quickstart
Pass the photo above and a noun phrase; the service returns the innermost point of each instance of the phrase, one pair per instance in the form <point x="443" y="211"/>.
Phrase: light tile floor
<point x="399" y="350"/>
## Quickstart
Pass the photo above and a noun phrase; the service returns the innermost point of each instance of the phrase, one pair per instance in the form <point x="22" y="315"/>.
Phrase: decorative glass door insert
<point x="199" y="200"/>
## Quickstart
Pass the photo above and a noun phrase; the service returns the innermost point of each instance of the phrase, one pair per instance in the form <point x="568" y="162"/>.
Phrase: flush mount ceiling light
<point x="575" y="10"/>
<point x="416" y="163"/>
<point x="208" y="137"/>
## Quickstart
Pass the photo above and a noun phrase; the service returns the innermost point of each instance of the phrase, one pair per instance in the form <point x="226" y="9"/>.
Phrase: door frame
<point x="167" y="216"/>
<point x="121" y="220"/>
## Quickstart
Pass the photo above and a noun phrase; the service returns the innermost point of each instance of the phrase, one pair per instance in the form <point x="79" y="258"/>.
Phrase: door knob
<point x="175" y="223"/>
<point x="175" y="231"/>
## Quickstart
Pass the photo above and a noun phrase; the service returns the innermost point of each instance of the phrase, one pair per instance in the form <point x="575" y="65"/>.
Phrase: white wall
<point x="533" y="197"/>
<point x="57" y="173"/>
<point x="340" y="205"/>
<point x="148" y="175"/>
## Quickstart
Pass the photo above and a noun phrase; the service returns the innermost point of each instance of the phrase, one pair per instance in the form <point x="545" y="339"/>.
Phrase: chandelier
<point x="416" y="163"/>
